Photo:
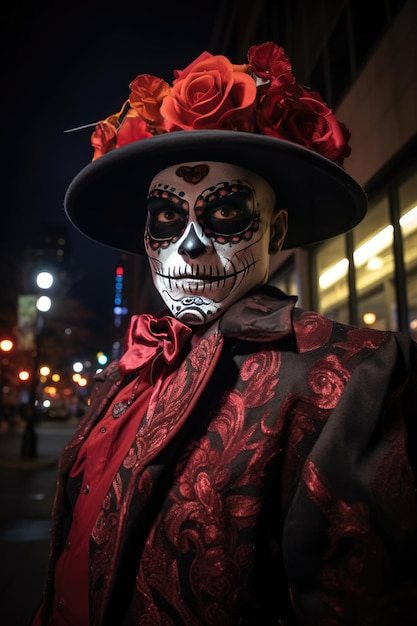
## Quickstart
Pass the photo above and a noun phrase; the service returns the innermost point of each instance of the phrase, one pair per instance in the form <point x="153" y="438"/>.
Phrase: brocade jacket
<point x="271" y="483"/>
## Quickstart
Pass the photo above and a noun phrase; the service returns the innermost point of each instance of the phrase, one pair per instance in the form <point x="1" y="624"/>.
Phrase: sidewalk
<point x="27" y="488"/>
<point x="46" y="454"/>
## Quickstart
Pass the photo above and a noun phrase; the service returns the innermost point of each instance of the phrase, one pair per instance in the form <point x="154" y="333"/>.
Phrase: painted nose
<point x="192" y="246"/>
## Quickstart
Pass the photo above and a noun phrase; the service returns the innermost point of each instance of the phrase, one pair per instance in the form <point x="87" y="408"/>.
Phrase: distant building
<point x="50" y="248"/>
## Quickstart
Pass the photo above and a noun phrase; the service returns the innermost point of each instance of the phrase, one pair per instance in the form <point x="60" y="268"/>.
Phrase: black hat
<point x="275" y="128"/>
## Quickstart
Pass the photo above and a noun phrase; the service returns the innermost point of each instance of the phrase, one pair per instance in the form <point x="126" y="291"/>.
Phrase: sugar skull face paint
<point x="207" y="237"/>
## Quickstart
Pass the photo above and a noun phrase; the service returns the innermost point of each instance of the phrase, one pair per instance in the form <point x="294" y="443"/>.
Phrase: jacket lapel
<point x="168" y="410"/>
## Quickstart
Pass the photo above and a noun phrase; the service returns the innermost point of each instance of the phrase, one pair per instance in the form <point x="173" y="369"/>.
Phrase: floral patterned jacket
<point x="271" y="482"/>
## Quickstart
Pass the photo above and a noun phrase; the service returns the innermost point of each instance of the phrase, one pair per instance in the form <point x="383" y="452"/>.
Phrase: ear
<point x="279" y="226"/>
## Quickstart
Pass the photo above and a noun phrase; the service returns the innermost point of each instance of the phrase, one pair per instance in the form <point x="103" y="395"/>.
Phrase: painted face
<point x="207" y="237"/>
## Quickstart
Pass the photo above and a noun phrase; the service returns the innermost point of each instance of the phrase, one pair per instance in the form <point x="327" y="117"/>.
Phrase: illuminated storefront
<point x="369" y="276"/>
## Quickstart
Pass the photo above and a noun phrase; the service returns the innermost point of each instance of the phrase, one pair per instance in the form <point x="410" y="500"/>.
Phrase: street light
<point x="44" y="280"/>
<point x="6" y="345"/>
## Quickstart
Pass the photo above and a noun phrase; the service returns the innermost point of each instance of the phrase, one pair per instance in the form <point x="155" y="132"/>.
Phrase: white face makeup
<point x="207" y="237"/>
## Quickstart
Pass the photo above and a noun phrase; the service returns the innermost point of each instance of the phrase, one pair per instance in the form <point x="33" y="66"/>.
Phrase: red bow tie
<point x="148" y="337"/>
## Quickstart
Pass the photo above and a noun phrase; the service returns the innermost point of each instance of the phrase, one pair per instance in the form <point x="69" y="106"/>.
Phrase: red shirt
<point x="99" y="459"/>
<point x="151" y="344"/>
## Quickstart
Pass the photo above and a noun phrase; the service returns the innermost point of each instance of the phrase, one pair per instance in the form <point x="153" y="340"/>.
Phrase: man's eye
<point x="167" y="216"/>
<point x="165" y="221"/>
<point x="225" y="213"/>
<point x="229" y="217"/>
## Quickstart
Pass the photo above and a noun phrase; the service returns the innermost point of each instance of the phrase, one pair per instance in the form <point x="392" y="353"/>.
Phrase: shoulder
<point x="351" y="345"/>
<point x="313" y="331"/>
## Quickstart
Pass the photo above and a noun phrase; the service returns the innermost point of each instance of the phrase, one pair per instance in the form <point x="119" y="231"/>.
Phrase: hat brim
<point x="106" y="201"/>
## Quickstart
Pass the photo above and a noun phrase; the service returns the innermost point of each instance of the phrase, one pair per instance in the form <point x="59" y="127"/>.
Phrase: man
<point x="245" y="462"/>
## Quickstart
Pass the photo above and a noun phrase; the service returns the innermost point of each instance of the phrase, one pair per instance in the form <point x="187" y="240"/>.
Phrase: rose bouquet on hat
<point x="211" y="93"/>
<point x="255" y="116"/>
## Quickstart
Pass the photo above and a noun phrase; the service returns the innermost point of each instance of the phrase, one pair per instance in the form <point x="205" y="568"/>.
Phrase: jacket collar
<point x="262" y="316"/>
<point x="269" y="315"/>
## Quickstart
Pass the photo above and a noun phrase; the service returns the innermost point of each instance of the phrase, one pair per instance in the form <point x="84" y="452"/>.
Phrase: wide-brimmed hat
<point x="254" y="116"/>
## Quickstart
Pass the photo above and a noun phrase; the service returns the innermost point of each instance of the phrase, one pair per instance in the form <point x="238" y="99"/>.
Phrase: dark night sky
<point x="67" y="66"/>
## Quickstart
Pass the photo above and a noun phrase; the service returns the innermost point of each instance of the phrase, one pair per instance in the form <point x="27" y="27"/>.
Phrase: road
<point x="26" y="493"/>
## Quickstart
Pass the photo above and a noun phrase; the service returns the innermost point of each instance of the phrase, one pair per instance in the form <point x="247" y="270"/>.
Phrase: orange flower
<point x="180" y="74"/>
<point x="148" y="92"/>
<point x="210" y="94"/>
<point x="133" y="128"/>
<point x="104" y="136"/>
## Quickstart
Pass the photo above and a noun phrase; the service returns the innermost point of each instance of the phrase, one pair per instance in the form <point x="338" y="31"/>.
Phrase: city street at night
<point x="208" y="319"/>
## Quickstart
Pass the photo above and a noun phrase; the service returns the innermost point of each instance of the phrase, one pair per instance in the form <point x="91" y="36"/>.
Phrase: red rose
<point x="180" y="74"/>
<point x="269" y="62"/>
<point x="210" y="93"/>
<point x="291" y="112"/>
<point x="148" y="92"/>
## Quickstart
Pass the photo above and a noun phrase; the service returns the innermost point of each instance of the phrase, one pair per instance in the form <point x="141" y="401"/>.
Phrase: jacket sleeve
<point x="350" y="536"/>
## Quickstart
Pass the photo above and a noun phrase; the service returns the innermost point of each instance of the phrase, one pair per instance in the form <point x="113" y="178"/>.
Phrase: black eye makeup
<point x="227" y="210"/>
<point x="167" y="214"/>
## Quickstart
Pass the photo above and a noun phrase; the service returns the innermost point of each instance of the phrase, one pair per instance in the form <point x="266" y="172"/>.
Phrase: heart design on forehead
<point x="193" y="174"/>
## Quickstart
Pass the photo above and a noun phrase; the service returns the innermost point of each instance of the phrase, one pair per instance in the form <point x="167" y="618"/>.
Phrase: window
<point x="332" y="274"/>
<point x="373" y="272"/>
<point x="373" y="258"/>
<point x="408" y="225"/>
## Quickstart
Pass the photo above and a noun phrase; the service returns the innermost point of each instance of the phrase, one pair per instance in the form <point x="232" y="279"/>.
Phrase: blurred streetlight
<point x="6" y="345"/>
<point x="44" y="280"/>
<point x="43" y="303"/>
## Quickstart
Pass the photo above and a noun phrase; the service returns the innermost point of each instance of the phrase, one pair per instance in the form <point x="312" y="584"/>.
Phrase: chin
<point x="196" y="317"/>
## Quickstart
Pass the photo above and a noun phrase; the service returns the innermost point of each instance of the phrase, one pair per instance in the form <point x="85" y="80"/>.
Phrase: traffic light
<point x="119" y="309"/>
<point x="102" y="359"/>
